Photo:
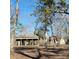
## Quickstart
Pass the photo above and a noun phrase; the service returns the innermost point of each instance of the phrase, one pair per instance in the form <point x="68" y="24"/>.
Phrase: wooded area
<point x="52" y="23"/>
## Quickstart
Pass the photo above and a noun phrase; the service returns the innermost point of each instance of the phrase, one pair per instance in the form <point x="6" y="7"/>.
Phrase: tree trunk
<point x="15" y="22"/>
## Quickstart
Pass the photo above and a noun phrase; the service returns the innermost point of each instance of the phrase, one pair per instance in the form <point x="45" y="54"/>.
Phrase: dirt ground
<point x="64" y="55"/>
<point x="19" y="56"/>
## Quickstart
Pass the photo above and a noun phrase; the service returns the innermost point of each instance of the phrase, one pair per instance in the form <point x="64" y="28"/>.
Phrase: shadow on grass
<point x="37" y="55"/>
<point x="55" y="50"/>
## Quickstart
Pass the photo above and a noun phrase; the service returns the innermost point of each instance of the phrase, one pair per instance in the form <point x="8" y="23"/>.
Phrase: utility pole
<point x="15" y="21"/>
